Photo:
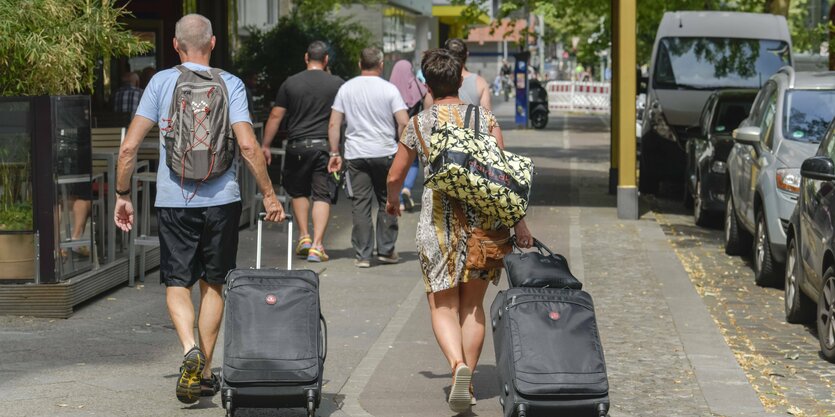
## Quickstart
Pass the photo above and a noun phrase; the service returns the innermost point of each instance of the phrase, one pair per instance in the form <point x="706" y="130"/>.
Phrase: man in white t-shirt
<point x="375" y="114"/>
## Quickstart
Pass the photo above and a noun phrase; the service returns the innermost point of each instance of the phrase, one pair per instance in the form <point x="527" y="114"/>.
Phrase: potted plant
<point x="17" y="238"/>
<point x="49" y="48"/>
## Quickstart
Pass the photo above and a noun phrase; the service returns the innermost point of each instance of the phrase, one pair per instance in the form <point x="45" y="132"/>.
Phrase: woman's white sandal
<point x="459" y="394"/>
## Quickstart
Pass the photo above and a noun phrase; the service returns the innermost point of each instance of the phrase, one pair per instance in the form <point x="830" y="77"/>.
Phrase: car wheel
<point x="765" y="267"/>
<point x="799" y="308"/>
<point x="700" y="215"/>
<point x="737" y="241"/>
<point x="826" y="316"/>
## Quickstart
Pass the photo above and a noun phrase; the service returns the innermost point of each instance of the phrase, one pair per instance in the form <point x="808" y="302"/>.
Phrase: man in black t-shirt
<point x="306" y="99"/>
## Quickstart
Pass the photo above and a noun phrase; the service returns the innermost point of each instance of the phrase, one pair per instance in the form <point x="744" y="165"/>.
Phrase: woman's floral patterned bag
<point x="468" y="165"/>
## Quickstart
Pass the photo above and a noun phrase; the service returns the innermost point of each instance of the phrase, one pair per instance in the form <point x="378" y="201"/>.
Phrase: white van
<point x="694" y="54"/>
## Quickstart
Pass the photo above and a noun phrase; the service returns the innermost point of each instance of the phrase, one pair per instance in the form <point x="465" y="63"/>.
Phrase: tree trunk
<point x="780" y="7"/>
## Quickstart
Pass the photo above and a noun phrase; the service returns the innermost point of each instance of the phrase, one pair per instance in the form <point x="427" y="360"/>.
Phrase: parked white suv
<point x="696" y="53"/>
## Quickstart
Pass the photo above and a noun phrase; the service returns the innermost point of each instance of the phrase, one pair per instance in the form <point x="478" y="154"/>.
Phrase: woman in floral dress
<point x="455" y="292"/>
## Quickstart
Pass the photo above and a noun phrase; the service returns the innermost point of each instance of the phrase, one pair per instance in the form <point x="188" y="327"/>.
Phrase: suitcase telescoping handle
<point x="289" y="218"/>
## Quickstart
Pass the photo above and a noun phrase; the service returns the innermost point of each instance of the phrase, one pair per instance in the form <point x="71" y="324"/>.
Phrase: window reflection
<point x="73" y="168"/>
<point x="708" y="63"/>
<point x="808" y="113"/>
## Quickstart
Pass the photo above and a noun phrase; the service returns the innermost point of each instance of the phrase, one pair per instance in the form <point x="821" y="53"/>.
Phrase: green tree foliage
<point x="590" y="20"/>
<point x="52" y="46"/>
<point x="278" y="53"/>
<point x="323" y="7"/>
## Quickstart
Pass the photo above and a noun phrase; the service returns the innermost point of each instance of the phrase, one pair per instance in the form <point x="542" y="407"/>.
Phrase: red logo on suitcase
<point x="271" y="299"/>
<point x="554" y="315"/>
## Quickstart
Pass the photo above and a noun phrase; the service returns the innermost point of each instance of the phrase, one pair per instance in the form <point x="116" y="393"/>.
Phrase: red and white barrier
<point x="591" y="97"/>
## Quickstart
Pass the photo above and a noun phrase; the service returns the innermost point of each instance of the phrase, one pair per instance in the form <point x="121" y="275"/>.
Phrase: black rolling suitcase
<point x="548" y="353"/>
<point x="275" y="339"/>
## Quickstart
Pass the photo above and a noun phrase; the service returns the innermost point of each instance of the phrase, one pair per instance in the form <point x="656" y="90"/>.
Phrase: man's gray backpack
<point x="198" y="140"/>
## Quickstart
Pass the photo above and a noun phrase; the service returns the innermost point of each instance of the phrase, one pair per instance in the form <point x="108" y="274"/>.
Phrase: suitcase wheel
<point x="226" y="398"/>
<point x="311" y="403"/>
<point x="521" y="410"/>
<point x="602" y="410"/>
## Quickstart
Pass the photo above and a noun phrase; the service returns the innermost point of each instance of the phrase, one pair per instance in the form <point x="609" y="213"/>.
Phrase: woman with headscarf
<point x="415" y="95"/>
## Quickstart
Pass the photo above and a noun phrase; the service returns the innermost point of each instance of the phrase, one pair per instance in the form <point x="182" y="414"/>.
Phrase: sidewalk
<point x="118" y="355"/>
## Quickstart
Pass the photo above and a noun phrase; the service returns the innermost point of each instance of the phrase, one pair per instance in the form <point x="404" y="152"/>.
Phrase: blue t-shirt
<point x="155" y="106"/>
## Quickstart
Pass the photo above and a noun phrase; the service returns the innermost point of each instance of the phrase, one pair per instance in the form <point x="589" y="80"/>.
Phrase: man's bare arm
<point x="484" y="89"/>
<point x="138" y="129"/>
<point x="334" y="132"/>
<point x="258" y="166"/>
<point x="402" y="119"/>
<point x="273" y="123"/>
<point x="253" y="157"/>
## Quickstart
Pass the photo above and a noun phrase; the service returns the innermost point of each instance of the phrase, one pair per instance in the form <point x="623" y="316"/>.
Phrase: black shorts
<point x="197" y="243"/>
<point x="306" y="171"/>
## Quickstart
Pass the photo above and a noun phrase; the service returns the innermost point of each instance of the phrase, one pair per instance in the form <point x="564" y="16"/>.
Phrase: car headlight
<point x="718" y="167"/>
<point x="659" y="123"/>
<point x="788" y="179"/>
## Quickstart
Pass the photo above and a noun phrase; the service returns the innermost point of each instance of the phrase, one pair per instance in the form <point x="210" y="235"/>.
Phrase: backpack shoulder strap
<point x="216" y="72"/>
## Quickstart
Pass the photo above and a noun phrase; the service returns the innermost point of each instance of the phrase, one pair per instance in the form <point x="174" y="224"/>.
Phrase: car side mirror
<point x="818" y="168"/>
<point x="747" y="135"/>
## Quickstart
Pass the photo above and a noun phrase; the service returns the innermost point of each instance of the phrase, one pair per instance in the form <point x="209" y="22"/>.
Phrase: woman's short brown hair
<point x="442" y="71"/>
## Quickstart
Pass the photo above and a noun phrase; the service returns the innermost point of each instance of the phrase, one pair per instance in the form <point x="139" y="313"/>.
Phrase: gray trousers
<point x="368" y="180"/>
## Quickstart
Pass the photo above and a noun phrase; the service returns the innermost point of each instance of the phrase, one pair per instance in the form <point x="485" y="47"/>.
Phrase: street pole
<point x="625" y="41"/>
<point x="541" y="44"/>
<point x="528" y="50"/>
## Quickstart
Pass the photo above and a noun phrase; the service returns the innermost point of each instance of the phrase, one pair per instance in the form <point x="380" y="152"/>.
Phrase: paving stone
<point x="752" y="319"/>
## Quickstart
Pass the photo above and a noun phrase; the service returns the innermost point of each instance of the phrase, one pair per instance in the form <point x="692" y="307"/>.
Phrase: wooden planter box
<point x="17" y="256"/>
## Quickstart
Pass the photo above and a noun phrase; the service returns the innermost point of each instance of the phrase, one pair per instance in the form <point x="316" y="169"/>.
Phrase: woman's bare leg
<point x="443" y="307"/>
<point x="471" y="302"/>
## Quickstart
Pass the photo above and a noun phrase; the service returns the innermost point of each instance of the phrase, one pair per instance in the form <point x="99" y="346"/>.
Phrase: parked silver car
<point x="787" y="122"/>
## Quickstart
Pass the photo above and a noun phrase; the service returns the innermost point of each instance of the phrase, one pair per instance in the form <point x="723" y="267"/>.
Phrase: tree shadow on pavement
<point x="350" y="253"/>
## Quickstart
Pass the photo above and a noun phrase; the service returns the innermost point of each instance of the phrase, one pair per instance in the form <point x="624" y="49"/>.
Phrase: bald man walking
<point x="198" y="219"/>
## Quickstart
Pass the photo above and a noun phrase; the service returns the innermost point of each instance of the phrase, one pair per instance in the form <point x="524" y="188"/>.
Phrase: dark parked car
<point x="810" y="251"/>
<point x="707" y="150"/>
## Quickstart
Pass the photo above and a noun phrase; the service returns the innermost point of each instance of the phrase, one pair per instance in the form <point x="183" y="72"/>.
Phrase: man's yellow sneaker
<point x="191" y="373"/>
